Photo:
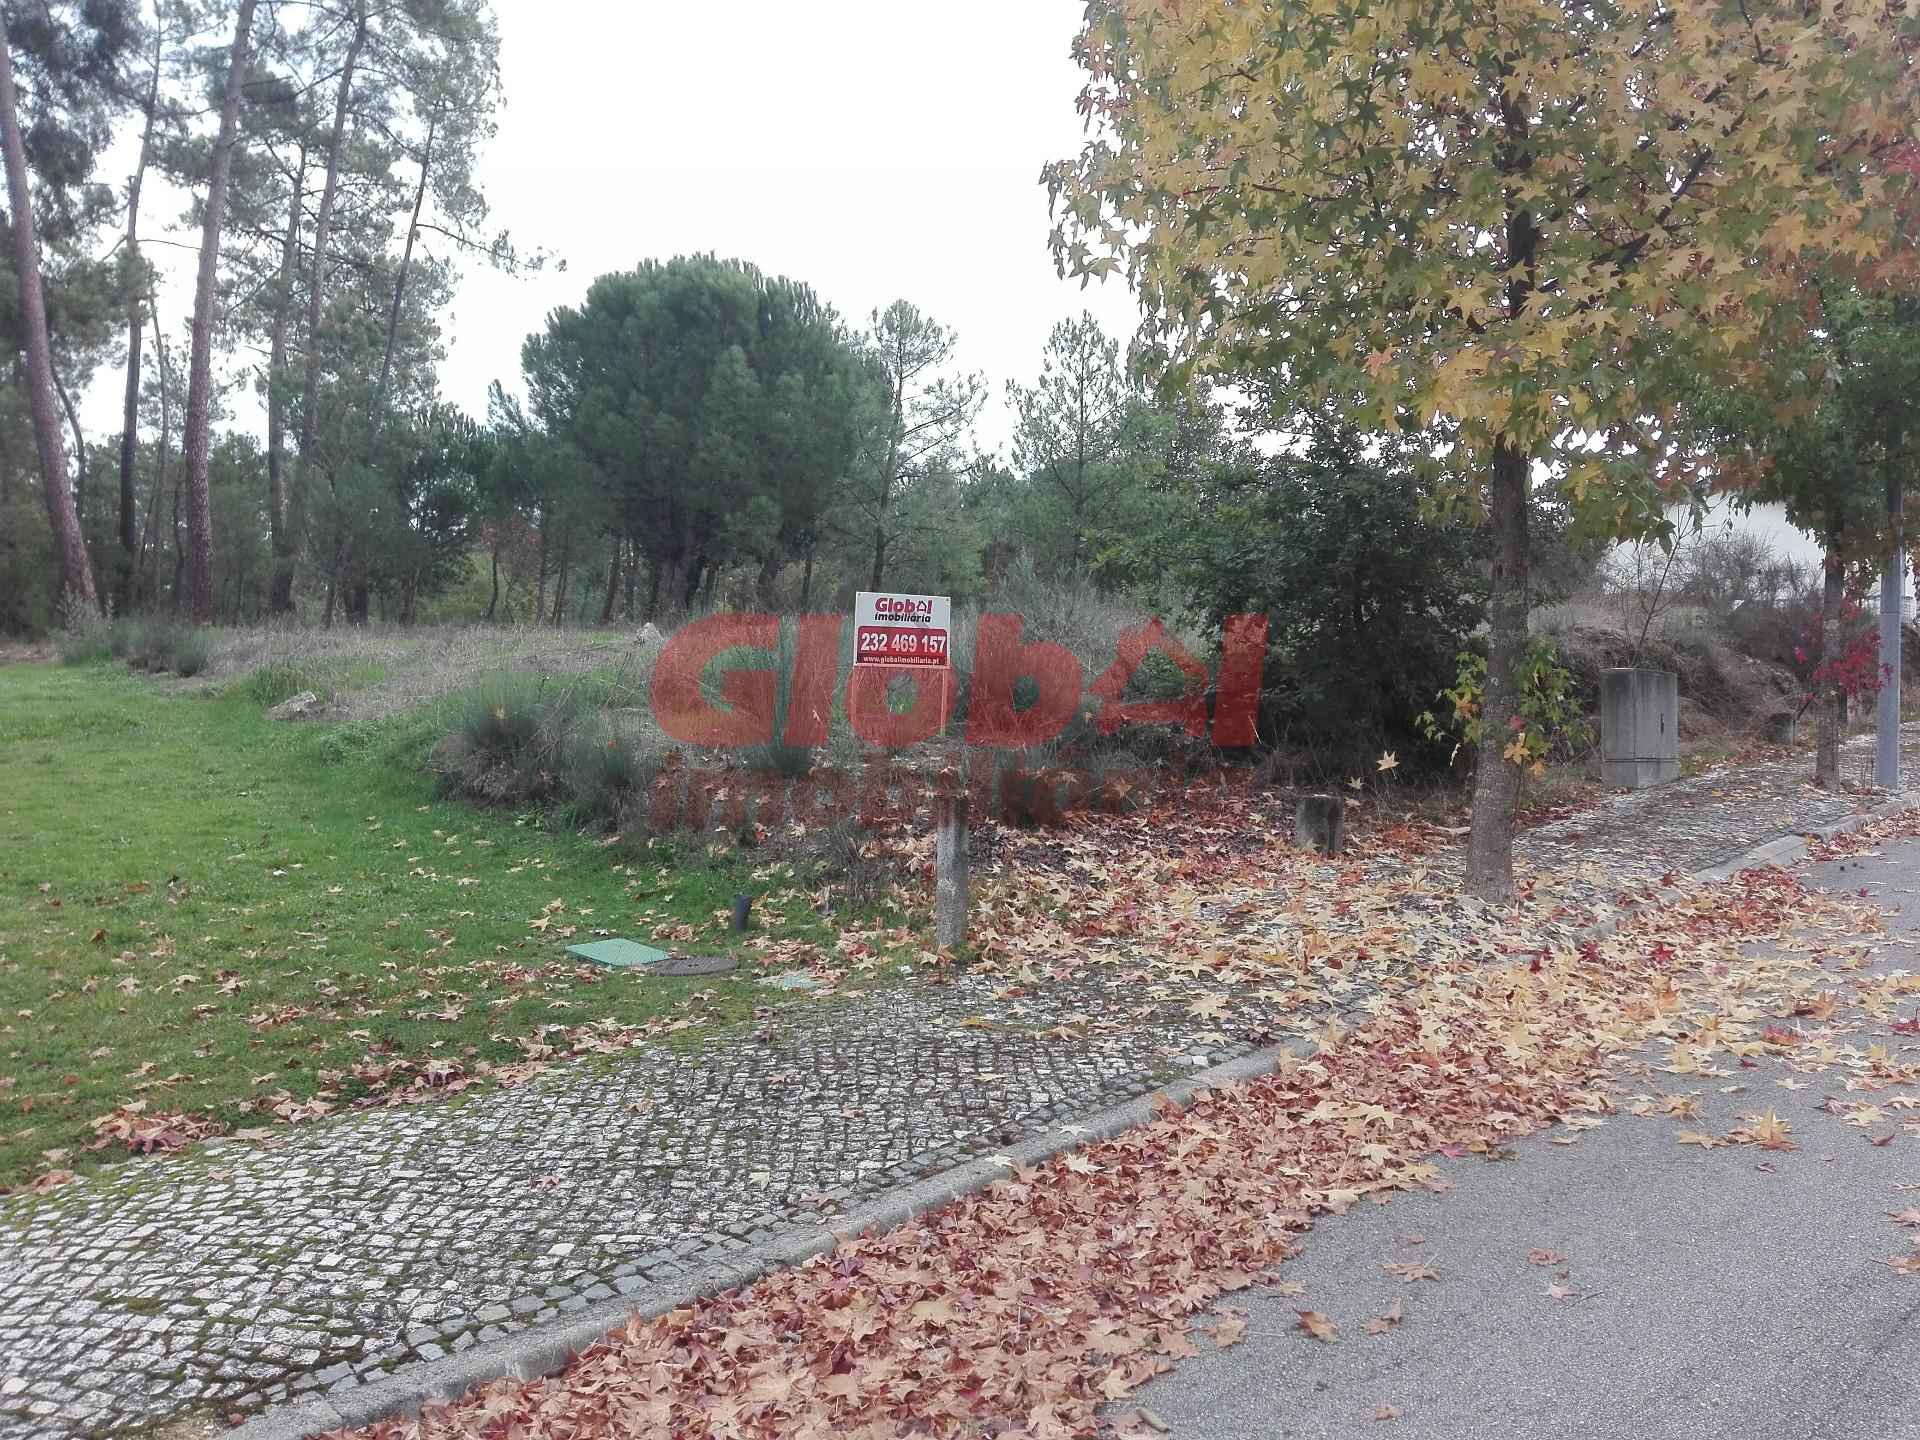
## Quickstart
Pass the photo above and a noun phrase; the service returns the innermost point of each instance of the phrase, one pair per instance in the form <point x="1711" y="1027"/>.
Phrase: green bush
<point x="1551" y="724"/>
<point x="605" y="781"/>
<point x="278" y="680"/>
<point x="508" y="742"/>
<point x="188" y="651"/>
<point x="157" y="644"/>
<point x="85" y="644"/>
<point x="1369" y="598"/>
<point x="544" y="747"/>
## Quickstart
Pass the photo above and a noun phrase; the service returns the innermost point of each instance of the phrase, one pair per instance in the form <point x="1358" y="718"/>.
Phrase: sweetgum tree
<point x="1516" y="226"/>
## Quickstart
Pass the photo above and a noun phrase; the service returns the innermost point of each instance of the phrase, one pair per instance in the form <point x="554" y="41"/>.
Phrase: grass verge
<point x="225" y="922"/>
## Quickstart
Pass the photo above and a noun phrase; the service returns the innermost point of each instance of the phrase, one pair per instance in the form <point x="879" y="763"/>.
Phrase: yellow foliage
<point x="1520" y="220"/>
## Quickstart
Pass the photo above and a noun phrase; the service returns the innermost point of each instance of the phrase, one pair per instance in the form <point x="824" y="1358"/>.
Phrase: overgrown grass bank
<point x="203" y="911"/>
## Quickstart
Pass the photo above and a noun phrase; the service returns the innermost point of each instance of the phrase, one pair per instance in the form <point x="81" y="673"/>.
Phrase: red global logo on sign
<point x="902" y="629"/>
<point x="752" y="679"/>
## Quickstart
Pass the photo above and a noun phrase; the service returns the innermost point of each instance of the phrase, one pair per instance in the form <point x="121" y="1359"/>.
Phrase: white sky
<point x="877" y="149"/>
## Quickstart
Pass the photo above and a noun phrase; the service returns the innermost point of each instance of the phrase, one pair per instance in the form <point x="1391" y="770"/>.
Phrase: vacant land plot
<point x="210" y="921"/>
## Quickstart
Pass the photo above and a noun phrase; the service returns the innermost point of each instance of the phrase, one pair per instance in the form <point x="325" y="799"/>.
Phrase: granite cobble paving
<point x="1704" y="819"/>
<point x="241" y="1275"/>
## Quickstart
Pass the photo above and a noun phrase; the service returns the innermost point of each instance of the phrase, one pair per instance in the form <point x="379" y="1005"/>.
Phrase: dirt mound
<point x="1724" y="696"/>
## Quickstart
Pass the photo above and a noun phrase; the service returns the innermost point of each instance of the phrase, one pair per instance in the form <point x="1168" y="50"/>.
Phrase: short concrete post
<point x="950" y="871"/>
<point x="1320" y="823"/>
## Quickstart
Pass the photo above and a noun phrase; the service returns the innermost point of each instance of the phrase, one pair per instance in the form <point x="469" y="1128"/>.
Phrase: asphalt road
<point x="1713" y="1298"/>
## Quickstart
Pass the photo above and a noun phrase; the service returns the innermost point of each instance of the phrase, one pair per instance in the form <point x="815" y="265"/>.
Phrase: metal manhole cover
<point x="695" y="965"/>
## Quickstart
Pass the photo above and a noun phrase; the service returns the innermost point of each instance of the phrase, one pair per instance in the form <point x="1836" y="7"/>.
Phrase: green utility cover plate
<point x="622" y="954"/>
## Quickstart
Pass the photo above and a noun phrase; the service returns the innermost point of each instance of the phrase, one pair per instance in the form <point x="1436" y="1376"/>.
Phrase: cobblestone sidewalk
<point x="237" y="1276"/>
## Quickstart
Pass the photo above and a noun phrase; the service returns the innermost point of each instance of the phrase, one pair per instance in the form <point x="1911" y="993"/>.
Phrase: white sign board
<point x="893" y="629"/>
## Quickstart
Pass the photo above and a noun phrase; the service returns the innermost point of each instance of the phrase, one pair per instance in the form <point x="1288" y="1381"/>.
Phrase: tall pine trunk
<point x="280" y="502"/>
<point x="79" y="452"/>
<point x="560" y="580"/>
<point x="613" y="586"/>
<point x="199" y="577"/>
<point x="317" y="292"/>
<point x="166" y="442"/>
<point x="1832" y="702"/>
<point x="400" y="295"/>
<point x="540" y="598"/>
<point x="136" y="329"/>
<point x="889" y="479"/>
<point x="70" y="549"/>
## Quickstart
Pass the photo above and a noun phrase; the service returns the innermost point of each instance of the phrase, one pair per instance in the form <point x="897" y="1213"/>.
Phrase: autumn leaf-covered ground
<point x="210" y="921"/>
<point x="1038" y="1308"/>
<point x="1721" y="1254"/>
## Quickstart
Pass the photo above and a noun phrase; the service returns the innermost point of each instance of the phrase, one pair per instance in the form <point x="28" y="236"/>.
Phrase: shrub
<point x="1369" y="597"/>
<point x="1551" y="724"/>
<point x="160" y="645"/>
<point x="606" y="780"/>
<point x="280" y="679"/>
<point x="508" y="742"/>
<point x="85" y="639"/>
<point x="188" y="651"/>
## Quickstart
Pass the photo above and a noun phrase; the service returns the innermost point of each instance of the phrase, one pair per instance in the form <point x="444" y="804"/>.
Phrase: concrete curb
<point x="545" y="1349"/>
<point x="1790" y="848"/>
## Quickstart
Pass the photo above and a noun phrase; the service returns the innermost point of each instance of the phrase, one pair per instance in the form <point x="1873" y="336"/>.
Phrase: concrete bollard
<point x="1320" y="823"/>
<point x="950" y="871"/>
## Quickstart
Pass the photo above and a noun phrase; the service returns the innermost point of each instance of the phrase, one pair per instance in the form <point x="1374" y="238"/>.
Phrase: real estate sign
<point x="890" y="629"/>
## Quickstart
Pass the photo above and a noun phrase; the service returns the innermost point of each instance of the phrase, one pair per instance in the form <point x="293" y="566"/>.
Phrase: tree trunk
<point x="560" y="580"/>
<point x="136" y="330"/>
<point x="493" y="600"/>
<point x="200" y="365"/>
<point x="1831" y="699"/>
<point x="1496" y="780"/>
<point x="1496" y="783"/>
<point x="1893" y="594"/>
<point x="888" y="480"/>
<point x="806" y="580"/>
<point x="358" y="596"/>
<point x="613" y="586"/>
<point x="177" y="588"/>
<point x="79" y="454"/>
<point x="70" y="550"/>
<point x="540" y="598"/>
<point x="768" y="577"/>
<point x="166" y="444"/>
<point x="333" y="581"/>
<point x="399" y="297"/>
<point x="280" y="505"/>
<point x="317" y="276"/>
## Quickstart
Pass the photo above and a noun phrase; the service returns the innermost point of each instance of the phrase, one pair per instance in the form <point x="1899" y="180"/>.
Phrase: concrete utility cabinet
<point x="1639" y="728"/>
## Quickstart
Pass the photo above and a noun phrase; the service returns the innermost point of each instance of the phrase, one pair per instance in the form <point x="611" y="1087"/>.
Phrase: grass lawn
<point x="250" y="921"/>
